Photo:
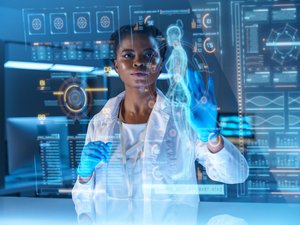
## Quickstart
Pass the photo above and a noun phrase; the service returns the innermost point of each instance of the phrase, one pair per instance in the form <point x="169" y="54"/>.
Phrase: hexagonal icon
<point x="82" y="22"/>
<point x="105" y="21"/>
<point x="58" y="23"/>
<point x="36" y="24"/>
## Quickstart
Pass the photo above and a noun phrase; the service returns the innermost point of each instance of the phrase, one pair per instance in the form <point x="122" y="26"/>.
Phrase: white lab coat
<point x="167" y="162"/>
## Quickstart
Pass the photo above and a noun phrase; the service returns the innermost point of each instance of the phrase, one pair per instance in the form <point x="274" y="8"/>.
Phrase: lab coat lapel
<point x="109" y="119"/>
<point x="157" y="125"/>
<point x="155" y="133"/>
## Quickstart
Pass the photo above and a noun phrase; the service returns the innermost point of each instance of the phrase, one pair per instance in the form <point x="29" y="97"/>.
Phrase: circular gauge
<point x="75" y="98"/>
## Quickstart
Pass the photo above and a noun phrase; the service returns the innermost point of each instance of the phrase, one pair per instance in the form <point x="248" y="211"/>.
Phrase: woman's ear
<point x="116" y="66"/>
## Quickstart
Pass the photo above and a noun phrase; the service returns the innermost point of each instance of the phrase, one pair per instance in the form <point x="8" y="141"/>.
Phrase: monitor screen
<point x="39" y="152"/>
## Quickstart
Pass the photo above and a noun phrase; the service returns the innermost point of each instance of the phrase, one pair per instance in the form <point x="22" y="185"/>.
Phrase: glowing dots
<point x="151" y="104"/>
<point x="106" y="110"/>
<point x="177" y="78"/>
<point x="214" y="140"/>
<point x="155" y="149"/>
<point x="42" y="83"/>
<point x="172" y="132"/>
<point x="157" y="175"/>
<point x="203" y="100"/>
<point x="107" y="69"/>
<point x="41" y="117"/>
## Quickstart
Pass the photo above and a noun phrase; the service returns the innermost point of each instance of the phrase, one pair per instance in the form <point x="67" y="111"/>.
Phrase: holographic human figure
<point x="178" y="92"/>
<point x="188" y="95"/>
<point x="176" y="64"/>
<point x="187" y="92"/>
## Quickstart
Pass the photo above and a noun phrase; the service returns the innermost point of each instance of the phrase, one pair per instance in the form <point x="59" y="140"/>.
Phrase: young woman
<point x="134" y="149"/>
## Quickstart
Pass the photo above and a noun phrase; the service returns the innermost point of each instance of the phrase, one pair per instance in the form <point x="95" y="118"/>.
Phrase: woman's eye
<point x="128" y="55"/>
<point x="150" y="54"/>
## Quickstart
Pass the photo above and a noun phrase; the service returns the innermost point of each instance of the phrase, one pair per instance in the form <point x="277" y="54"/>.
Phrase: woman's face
<point x="138" y="61"/>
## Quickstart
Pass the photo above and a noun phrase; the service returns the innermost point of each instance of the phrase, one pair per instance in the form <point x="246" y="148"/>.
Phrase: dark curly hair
<point x="150" y="31"/>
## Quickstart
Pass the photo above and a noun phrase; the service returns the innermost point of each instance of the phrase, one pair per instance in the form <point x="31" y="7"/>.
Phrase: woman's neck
<point x="137" y="105"/>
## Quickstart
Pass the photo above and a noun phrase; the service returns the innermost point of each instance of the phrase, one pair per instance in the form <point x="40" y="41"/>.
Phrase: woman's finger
<point x="211" y="90"/>
<point x="192" y="85"/>
<point x="200" y="83"/>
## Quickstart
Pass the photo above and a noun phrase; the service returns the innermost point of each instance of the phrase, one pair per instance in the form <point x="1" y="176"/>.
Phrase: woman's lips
<point x="139" y="73"/>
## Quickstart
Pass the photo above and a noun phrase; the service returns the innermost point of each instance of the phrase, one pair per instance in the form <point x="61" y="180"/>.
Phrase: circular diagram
<point x="283" y="44"/>
<point x="82" y="22"/>
<point x="207" y="21"/>
<point x="58" y="23"/>
<point x="36" y="24"/>
<point x="105" y="21"/>
<point x="209" y="45"/>
<point x="75" y="100"/>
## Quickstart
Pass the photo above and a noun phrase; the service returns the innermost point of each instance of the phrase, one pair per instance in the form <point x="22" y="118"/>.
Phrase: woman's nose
<point x="138" y="64"/>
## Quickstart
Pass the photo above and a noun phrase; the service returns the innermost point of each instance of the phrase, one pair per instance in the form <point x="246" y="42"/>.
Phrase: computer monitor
<point x="38" y="150"/>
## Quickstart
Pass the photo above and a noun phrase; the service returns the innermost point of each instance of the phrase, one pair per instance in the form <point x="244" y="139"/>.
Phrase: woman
<point x="134" y="150"/>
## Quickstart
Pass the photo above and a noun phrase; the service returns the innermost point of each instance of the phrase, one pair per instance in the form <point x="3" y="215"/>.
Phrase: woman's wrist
<point x="84" y="180"/>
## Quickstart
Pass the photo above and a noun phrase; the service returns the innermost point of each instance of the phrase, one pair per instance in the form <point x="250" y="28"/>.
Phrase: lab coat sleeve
<point x="226" y="166"/>
<point x="82" y="194"/>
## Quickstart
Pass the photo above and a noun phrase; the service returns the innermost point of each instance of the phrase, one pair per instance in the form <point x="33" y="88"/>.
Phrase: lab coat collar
<point x="111" y="109"/>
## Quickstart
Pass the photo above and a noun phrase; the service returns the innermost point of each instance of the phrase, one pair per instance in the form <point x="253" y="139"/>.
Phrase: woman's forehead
<point x="137" y="40"/>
